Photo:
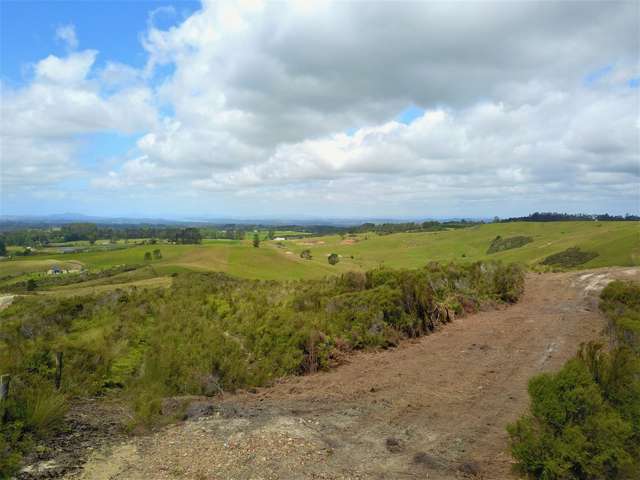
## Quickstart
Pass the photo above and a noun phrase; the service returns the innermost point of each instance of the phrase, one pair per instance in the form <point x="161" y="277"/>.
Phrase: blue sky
<point x="111" y="27"/>
<point x="224" y="108"/>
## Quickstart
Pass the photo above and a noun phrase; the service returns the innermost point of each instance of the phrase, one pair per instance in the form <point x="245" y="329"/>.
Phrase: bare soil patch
<point x="433" y="408"/>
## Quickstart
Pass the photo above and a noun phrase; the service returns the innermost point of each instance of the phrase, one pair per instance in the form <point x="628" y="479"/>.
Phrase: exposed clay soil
<point x="434" y="408"/>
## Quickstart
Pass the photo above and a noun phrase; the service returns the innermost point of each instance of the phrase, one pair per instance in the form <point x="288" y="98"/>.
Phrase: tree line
<point x="571" y="217"/>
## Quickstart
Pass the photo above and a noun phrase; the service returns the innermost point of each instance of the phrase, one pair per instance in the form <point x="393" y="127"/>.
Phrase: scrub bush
<point x="584" y="421"/>
<point x="210" y="332"/>
<point x="500" y="244"/>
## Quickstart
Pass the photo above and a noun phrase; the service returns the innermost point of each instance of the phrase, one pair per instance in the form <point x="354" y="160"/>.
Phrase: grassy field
<point x="616" y="243"/>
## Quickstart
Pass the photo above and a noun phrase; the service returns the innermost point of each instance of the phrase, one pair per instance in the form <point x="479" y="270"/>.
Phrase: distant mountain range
<point x="63" y="218"/>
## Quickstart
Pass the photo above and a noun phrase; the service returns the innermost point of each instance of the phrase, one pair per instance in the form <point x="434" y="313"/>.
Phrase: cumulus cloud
<point x="522" y="100"/>
<point x="42" y="121"/>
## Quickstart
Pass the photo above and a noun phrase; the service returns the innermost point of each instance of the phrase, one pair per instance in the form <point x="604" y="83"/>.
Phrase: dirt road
<point x="435" y="408"/>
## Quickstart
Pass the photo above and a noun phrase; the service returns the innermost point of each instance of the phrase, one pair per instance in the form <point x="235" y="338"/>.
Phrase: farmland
<point x="616" y="244"/>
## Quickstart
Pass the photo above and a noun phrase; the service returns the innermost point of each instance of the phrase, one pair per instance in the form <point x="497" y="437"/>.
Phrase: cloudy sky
<point x="320" y="109"/>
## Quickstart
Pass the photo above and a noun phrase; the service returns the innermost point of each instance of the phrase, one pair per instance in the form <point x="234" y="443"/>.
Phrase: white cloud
<point x="488" y="145"/>
<point x="257" y="97"/>
<point x="67" y="33"/>
<point x="70" y="70"/>
<point x="40" y="123"/>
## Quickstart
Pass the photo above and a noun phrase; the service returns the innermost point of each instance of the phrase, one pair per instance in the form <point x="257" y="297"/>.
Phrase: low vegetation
<point x="211" y="332"/>
<point x="500" y="244"/>
<point x="620" y="302"/>
<point x="571" y="257"/>
<point x="584" y="421"/>
<point x="80" y="277"/>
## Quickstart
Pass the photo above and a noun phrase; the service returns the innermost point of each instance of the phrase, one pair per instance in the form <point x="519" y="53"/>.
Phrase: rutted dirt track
<point x="434" y="408"/>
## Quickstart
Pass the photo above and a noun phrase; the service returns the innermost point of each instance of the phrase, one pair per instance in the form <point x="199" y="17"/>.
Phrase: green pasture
<point x="617" y="244"/>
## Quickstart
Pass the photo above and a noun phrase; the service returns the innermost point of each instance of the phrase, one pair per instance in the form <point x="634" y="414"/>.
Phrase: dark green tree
<point x="147" y="256"/>
<point x="306" y="254"/>
<point x="333" y="259"/>
<point x="3" y="248"/>
<point x="256" y="240"/>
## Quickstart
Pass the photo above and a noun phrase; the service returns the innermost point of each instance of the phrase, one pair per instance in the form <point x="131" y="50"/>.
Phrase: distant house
<point x="55" y="270"/>
<point x="279" y="239"/>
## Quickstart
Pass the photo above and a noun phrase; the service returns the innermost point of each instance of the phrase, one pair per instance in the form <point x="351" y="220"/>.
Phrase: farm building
<point x="55" y="270"/>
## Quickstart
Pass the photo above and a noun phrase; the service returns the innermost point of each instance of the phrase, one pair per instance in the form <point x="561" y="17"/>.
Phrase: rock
<point x="199" y="409"/>
<point x="469" y="468"/>
<point x="394" y="445"/>
<point x="428" y="460"/>
<point x="211" y="385"/>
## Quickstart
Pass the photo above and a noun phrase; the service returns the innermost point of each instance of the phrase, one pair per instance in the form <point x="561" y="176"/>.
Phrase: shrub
<point x="44" y="409"/>
<point x="584" y="421"/>
<point x="620" y="302"/>
<point x="500" y="244"/>
<point x="333" y="259"/>
<point x="306" y="254"/>
<point x="211" y="331"/>
<point x="571" y="257"/>
<point x="33" y="411"/>
<point x="147" y="256"/>
<point x="573" y="430"/>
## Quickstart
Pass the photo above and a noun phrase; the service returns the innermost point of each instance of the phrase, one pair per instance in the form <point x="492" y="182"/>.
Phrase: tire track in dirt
<point x="433" y="408"/>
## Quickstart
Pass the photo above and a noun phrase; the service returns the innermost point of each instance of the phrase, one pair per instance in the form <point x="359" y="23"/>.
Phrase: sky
<point x="319" y="109"/>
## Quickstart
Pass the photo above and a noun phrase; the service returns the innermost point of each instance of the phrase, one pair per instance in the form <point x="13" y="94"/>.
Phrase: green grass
<point x="616" y="243"/>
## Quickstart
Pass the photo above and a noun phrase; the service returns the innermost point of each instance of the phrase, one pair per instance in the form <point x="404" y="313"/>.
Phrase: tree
<point x="79" y="231"/>
<point x="306" y="254"/>
<point x="157" y="254"/>
<point x="271" y="235"/>
<point x="333" y="259"/>
<point x="184" y="235"/>
<point x="3" y="248"/>
<point x="147" y="256"/>
<point x="256" y="240"/>
<point x="31" y="285"/>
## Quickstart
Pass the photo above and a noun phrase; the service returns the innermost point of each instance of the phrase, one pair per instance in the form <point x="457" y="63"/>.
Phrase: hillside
<point x="616" y="243"/>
